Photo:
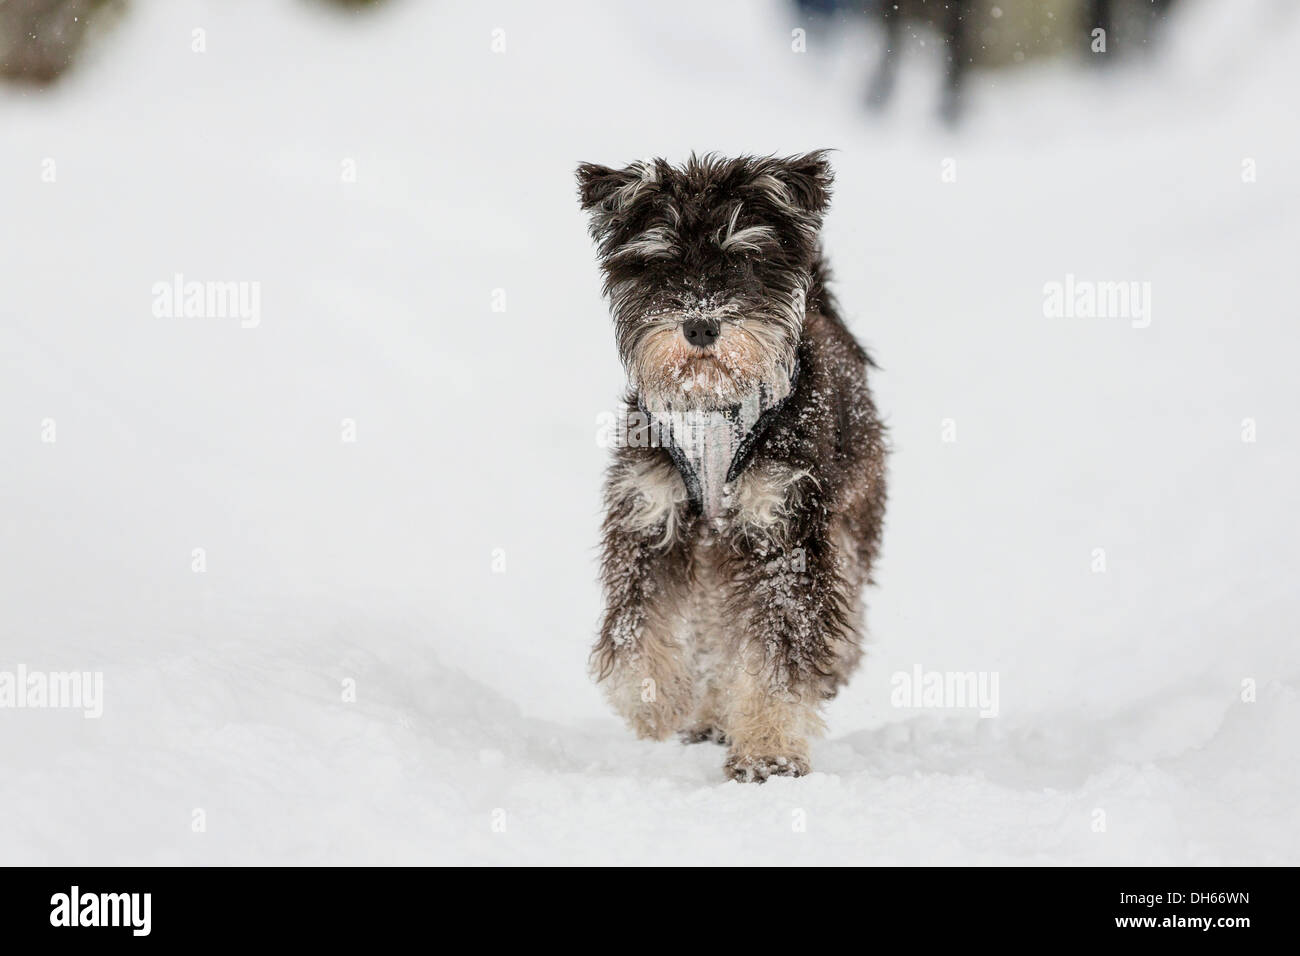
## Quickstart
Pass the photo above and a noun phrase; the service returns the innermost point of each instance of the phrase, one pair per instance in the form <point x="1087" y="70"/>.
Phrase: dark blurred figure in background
<point x="1131" y="23"/>
<point x="951" y="20"/>
<point x="996" y="33"/>
<point x="40" y="38"/>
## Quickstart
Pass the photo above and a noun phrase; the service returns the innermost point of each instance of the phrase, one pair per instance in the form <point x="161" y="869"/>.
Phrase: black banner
<point x="1167" y="906"/>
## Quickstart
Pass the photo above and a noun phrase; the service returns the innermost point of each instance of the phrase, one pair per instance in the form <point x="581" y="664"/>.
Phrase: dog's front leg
<point x="643" y="658"/>
<point x="792" y="604"/>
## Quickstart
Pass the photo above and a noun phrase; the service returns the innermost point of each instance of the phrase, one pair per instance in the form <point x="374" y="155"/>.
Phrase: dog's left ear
<point x="809" y="179"/>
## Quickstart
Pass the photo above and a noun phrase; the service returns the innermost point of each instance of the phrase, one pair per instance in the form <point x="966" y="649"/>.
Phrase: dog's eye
<point x="738" y="273"/>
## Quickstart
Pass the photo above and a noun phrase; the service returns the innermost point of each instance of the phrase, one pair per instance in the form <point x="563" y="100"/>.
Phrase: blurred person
<point x="996" y="33"/>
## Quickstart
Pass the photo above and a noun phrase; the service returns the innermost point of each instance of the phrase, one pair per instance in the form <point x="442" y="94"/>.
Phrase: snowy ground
<point x="475" y="735"/>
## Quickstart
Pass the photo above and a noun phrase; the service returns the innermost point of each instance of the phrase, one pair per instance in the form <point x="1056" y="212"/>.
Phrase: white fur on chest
<point x="759" y="502"/>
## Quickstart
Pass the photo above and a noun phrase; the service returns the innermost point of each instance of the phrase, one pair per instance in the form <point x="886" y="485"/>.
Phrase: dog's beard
<point x="666" y="370"/>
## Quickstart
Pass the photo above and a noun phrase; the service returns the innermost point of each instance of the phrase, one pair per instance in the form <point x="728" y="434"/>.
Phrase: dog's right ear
<point x="808" y="177"/>
<point x="597" y="183"/>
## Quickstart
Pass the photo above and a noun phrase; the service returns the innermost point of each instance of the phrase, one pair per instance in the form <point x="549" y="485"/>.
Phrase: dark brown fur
<point x="785" y="595"/>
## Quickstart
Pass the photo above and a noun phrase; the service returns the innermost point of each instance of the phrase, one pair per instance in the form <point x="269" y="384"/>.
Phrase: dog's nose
<point x="701" y="332"/>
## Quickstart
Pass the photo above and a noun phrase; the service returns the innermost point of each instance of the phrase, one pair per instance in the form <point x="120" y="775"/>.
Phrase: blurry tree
<point x="353" y="4"/>
<point x="39" y="39"/>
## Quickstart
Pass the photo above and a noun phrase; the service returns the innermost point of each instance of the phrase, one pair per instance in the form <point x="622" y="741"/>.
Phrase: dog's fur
<point x="734" y="627"/>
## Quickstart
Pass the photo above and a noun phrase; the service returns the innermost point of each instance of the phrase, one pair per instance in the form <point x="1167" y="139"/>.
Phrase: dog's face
<point x="707" y="267"/>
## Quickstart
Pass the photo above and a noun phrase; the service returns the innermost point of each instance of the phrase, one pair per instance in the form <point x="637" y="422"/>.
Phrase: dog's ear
<point x="809" y="178"/>
<point x="597" y="183"/>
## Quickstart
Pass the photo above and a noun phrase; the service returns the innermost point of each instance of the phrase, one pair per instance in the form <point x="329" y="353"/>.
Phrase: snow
<point x="441" y="567"/>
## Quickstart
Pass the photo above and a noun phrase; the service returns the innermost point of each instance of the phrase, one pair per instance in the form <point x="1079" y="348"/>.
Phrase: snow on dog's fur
<point x="733" y="626"/>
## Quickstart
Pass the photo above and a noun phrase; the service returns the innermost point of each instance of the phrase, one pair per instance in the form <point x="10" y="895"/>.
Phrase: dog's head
<point x="707" y="268"/>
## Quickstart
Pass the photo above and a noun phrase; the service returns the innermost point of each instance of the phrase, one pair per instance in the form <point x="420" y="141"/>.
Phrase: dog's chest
<point x="704" y="446"/>
<point x="708" y="446"/>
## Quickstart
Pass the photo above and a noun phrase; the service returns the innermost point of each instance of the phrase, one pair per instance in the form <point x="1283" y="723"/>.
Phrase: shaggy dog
<point x="744" y="508"/>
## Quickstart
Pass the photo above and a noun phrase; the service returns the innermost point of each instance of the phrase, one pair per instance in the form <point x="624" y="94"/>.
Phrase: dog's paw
<point x="702" y="734"/>
<point x="653" y="710"/>
<point x="656" y="720"/>
<point x="748" y="769"/>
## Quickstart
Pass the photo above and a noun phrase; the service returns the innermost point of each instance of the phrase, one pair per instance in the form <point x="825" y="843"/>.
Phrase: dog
<point x="743" y="512"/>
